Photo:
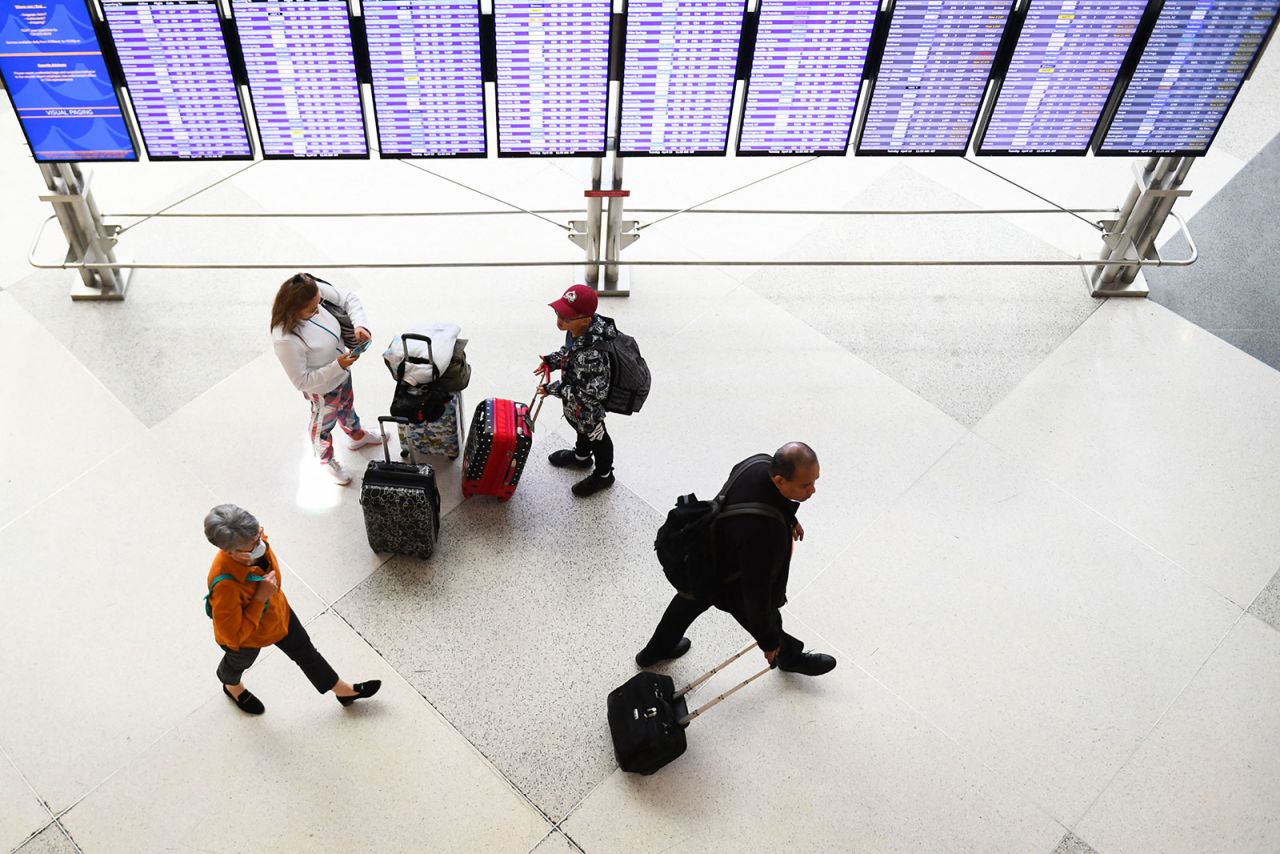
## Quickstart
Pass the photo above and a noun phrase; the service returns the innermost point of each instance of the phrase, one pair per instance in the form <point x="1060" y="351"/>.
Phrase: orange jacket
<point x="238" y="621"/>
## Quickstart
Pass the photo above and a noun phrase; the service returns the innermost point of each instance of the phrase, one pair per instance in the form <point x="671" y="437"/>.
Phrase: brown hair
<point x="292" y="297"/>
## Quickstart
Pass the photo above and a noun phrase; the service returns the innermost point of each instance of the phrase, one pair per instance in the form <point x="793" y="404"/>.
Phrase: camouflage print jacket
<point x="584" y="375"/>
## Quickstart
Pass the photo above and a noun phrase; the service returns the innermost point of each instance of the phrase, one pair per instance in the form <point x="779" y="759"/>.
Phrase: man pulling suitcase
<point x="750" y="531"/>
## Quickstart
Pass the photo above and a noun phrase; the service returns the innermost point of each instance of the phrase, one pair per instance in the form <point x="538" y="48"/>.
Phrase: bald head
<point x="794" y="470"/>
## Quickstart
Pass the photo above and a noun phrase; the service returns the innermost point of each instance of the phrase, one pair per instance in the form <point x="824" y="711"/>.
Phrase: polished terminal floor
<point x="1044" y="546"/>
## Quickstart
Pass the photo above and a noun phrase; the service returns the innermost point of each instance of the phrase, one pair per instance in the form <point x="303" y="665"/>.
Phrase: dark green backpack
<point x="208" y="606"/>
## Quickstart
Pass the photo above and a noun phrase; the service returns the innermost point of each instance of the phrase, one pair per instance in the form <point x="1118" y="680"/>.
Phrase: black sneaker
<point x="591" y="484"/>
<point x="567" y="458"/>
<point x="808" y="664"/>
<point x="645" y="658"/>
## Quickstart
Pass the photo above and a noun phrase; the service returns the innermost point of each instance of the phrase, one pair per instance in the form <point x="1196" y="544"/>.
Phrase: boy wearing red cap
<point x="583" y="386"/>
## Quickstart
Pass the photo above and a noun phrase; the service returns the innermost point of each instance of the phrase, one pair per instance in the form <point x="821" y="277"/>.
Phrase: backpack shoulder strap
<point x="208" y="606"/>
<point x="737" y="472"/>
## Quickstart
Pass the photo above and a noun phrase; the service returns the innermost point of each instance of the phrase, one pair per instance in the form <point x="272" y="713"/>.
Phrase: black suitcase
<point x="401" y="504"/>
<point x="648" y="716"/>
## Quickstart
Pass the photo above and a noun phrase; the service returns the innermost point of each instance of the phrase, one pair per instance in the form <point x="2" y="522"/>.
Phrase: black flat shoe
<point x="363" y="690"/>
<point x="645" y="658"/>
<point x="248" y="703"/>
<point x="808" y="664"/>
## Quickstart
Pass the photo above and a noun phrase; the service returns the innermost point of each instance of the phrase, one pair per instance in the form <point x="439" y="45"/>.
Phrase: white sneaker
<point x="369" y="438"/>
<point x="339" y="474"/>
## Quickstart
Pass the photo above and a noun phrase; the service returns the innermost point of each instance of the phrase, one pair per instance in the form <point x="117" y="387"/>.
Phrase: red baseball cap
<point x="578" y="301"/>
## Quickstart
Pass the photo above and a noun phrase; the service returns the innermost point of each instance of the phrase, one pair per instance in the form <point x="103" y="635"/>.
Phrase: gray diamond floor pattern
<point x="920" y="325"/>
<point x="565" y="592"/>
<point x="1231" y="291"/>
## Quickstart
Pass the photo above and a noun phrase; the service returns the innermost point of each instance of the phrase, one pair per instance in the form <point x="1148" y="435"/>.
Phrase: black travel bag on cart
<point x="401" y="504"/>
<point x="648" y="716"/>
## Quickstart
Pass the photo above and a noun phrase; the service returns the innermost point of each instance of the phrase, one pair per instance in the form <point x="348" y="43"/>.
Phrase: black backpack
<point x="629" y="377"/>
<point x="686" y="541"/>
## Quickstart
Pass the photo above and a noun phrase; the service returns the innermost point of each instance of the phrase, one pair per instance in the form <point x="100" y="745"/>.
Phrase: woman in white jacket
<point x="308" y="343"/>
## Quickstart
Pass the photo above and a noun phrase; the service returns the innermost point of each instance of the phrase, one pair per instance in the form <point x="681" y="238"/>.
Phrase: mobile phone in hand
<point x="360" y="347"/>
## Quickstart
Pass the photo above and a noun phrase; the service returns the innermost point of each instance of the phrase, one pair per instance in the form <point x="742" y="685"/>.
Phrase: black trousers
<point x="681" y="613"/>
<point x="296" y="644"/>
<point x="601" y="448"/>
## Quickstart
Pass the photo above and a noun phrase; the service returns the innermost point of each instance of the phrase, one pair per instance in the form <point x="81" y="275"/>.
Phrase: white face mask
<point x="259" y="550"/>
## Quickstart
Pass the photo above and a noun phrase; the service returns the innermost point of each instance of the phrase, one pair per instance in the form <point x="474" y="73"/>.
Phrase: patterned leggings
<point x="337" y="406"/>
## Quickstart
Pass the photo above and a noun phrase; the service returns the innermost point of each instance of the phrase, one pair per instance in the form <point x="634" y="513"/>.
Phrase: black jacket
<point x="584" y="378"/>
<point x="755" y="553"/>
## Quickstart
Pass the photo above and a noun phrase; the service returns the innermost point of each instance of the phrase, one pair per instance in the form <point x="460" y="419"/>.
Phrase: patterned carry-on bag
<point x="401" y="504"/>
<point x="441" y="436"/>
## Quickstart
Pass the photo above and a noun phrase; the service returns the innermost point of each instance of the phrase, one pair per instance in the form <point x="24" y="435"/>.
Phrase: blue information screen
<point x="936" y="63"/>
<point x="428" y="93"/>
<point x="553" y="76"/>
<point x="678" y="79"/>
<point x="806" y="76"/>
<point x="58" y="82"/>
<point x="302" y="77"/>
<point x="179" y="78"/>
<point x="1061" y="73"/>
<point x="1188" y="76"/>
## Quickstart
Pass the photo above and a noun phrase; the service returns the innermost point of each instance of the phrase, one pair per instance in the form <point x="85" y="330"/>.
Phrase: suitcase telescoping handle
<point x="405" y="338"/>
<point x="684" y="721"/>
<point x="535" y="405"/>
<point x="382" y="421"/>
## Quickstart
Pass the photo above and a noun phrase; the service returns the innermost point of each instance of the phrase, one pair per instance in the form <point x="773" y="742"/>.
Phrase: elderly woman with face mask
<point x="249" y="611"/>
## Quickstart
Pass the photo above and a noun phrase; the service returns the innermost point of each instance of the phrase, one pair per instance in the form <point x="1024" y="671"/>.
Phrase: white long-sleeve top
<point x="310" y="352"/>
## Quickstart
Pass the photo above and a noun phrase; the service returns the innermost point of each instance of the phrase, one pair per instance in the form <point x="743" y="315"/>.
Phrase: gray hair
<point x="228" y="526"/>
<point x="788" y="458"/>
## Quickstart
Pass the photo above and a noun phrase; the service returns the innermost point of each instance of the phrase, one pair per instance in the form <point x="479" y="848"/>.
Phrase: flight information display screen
<point x="302" y="77"/>
<point x="678" y="78"/>
<point x="179" y="78"/>
<point x="553" y="76"/>
<point x="806" y="76"/>
<point x="58" y="83"/>
<point x="428" y="93"/>
<point x="1188" y="76"/>
<point x="936" y="63"/>
<point x="1060" y="76"/>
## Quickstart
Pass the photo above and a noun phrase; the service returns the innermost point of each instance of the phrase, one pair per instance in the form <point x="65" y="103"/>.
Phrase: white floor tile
<point x="109" y="637"/>
<point x="1207" y="779"/>
<point x="1019" y="622"/>
<point x="1163" y="429"/>
<point x="49" y="438"/>
<point x="555" y="843"/>
<point x="22" y="211"/>
<point x="387" y="774"/>
<point x="747" y="377"/>
<point x="827" y="764"/>
<point x="21" y="813"/>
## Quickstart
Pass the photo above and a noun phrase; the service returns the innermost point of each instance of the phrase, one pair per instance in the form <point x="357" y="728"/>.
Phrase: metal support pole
<point x="1129" y="236"/>
<point x="586" y="233"/>
<point x="1146" y="240"/>
<point x="618" y="236"/>
<point x="89" y="240"/>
